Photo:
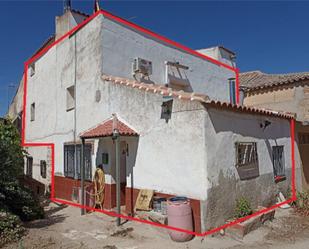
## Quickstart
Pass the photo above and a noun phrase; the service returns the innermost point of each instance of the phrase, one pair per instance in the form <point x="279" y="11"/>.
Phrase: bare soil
<point x="65" y="228"/>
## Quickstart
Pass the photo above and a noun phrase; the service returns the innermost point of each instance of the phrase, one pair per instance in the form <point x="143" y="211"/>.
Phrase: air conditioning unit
<point x="142" y="66"/>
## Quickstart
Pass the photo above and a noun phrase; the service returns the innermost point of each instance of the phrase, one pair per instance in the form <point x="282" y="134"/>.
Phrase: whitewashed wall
<point x="122" y="44"/>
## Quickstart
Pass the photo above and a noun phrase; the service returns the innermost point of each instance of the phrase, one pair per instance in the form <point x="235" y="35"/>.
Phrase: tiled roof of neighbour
<point x="165" y="91"/>
<point x="49" y="41"/>
<point x="79" y="12"/>
<point x="257" y="80"/>
<point x="106" y="128"/>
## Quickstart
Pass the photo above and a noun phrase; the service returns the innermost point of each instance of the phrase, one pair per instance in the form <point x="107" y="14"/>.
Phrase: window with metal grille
<point x="29" y="166"/>
<point x="278" y="161"/>
<point x="246" y="154"/>
<point x="69" y="159"/>
<point x="43" y="168"/>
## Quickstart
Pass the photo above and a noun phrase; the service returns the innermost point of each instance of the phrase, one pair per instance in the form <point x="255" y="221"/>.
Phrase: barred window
<point x="246" y="154"/>
<point x="69" y="158"/>
<point x="278" y="161"/>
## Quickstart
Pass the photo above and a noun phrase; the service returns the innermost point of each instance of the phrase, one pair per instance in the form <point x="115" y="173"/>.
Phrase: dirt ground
<point x="65" y="228"/>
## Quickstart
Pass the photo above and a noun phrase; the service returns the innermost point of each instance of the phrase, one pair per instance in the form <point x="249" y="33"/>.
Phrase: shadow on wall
<point x="222" y="198"/>
<point x="248" y="126"/>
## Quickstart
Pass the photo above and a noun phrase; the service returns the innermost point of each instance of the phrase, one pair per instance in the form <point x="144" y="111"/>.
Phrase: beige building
<point x="283" y="92"/>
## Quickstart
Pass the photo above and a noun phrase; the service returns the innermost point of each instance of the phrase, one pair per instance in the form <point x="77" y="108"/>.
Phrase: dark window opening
<point x="43" y="168"/>
<point x="278" y="161"/>
<point x="29" y="166"/>
<point x="32" y="112"/>
<point x="247" y="163"/>
<point x="69" y="159"/>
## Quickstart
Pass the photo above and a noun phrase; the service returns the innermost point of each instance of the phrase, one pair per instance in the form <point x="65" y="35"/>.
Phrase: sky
<point x="269" y="36"/>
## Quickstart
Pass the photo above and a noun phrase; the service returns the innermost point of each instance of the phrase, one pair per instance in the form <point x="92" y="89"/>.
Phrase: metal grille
<point x="278" y="160"/>
<point x="69" y="157"/>
<point x="246" y="154"/>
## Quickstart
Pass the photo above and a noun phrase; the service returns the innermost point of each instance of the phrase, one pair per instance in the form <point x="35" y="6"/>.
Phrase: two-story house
<point x="181" y="132"/>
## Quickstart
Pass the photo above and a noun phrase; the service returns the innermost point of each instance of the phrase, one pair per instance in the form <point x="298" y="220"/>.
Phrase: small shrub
<point x="10" y="227"/>
<point x="20" y="201"/>
<point x="302" y="203"/>
<point x="243" y="208"/>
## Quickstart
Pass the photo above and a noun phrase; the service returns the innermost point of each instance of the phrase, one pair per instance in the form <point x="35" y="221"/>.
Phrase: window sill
<point x="280" y="178"/>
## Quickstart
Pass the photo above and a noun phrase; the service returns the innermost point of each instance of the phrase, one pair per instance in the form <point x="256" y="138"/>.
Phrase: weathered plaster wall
<point x="162" y="148"/>
<point x="16" y="105"/>
<point x="290" y="99"/>
<point x="121" y="45"/>
<point x="55" y="71"/>
<point x="224" y="186"/>
<point x="40" y="153"/>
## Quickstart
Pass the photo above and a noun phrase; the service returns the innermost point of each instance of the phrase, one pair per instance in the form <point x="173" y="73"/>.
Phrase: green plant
<point x="10" y="227"/>
<point x="301" y="204"/>
<point x="20" y="201"/>
<point x="242" y="208"/>
<point x="14" y="197"/>
<point x="11" y="153"/>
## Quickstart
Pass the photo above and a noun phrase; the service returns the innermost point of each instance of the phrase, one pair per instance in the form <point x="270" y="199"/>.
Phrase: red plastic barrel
<point x="179" y="215"/>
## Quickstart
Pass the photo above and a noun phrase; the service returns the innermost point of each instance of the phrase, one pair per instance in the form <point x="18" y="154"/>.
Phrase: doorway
<point x="123" y="171"/>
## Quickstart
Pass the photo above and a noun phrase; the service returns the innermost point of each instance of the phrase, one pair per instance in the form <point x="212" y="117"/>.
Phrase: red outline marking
<point x="179" y="46"/>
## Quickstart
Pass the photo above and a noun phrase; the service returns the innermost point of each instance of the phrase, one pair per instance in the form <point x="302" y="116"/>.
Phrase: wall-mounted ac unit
<point x="142" y="66"/>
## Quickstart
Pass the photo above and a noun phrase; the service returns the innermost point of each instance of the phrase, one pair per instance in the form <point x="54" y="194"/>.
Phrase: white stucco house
<point x="181" y="131"/>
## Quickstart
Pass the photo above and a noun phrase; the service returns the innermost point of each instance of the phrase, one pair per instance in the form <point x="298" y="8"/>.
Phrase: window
<point x="246" y="154"/>
<point x="69" y="158"/>
<point x="247" y="160"/>
<point x="232" y="89"/>
<point x="70" y="98"/>
<point x="32" y="112"/>
<point x="43" y="168"/>
<point x="278" y="161"/>
<point x="29" y="166"/>
<point x="32" y="69"/>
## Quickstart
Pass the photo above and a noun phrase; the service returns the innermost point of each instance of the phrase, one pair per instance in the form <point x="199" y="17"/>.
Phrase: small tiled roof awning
<point x="106" y="128"/>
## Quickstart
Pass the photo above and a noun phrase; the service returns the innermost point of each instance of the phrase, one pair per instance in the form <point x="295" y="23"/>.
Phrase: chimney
<point x="68" y="20"/>
<point x="221" y="54"/>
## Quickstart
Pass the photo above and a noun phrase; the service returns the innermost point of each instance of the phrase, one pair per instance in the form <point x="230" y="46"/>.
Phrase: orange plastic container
<point x="179" y="215"/>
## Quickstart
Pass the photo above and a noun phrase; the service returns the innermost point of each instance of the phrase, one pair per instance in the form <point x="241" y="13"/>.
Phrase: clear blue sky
<point x="269" y="36"/>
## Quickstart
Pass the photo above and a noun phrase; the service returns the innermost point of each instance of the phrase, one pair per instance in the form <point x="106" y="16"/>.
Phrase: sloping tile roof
<point x="46" y="43"/>
<point x="166" y="91"/>
<point x="106" y="128"/>
<point x="255" y="80"/>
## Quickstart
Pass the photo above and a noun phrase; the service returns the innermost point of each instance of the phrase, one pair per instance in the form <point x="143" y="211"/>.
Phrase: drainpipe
<point x="82" y="169"/>
<point x="116" y="140"/>
<point x="74" y="132"/>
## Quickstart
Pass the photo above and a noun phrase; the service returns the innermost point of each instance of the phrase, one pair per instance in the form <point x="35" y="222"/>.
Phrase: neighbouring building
<point x="283" y="92"/>
<point x="180" y="129"/>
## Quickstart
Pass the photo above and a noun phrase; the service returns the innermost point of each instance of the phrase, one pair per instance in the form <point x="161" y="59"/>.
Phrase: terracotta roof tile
<point x="106" y="128"/>
<point x="257" y="80"/>
<point x="165" y="91"/>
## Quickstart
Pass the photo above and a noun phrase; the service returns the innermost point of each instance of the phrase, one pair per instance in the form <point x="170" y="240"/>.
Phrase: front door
<point x="123" y="171"/>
